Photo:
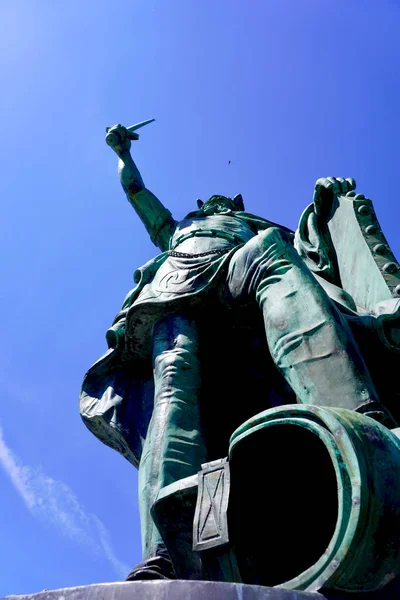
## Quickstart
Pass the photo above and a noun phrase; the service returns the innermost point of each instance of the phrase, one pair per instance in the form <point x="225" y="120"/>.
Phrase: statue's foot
<point x="145" y="574"/>
<point x="157" y="567"/>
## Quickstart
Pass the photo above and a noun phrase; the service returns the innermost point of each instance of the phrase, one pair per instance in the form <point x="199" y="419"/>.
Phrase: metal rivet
<point x="390" y="267"/>
<point x="363" y="209"/>
<point x="380" y="249"/>
<point x="397" y="290"/>
<point x="371" y="229"/>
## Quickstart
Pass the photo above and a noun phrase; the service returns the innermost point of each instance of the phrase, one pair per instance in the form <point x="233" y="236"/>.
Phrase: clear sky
<point x="286" y="90"/>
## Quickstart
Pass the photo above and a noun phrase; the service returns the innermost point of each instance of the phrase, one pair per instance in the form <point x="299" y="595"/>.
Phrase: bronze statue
<point x="236" y="315"/>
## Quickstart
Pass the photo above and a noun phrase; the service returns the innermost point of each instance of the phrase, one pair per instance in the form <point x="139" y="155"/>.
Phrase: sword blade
<point x="133" y="128"/>
<point x="139" y="125"/>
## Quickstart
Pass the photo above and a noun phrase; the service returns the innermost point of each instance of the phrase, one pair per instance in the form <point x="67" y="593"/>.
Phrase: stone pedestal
<point x="196" y="590"/>
<point x="169" y="590"/>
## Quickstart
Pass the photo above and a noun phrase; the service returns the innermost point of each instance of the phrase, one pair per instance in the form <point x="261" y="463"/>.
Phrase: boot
<point x="156" y="567"/>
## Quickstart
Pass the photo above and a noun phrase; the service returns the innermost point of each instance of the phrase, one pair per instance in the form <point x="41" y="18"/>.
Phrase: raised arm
<point x="157" y="219"/>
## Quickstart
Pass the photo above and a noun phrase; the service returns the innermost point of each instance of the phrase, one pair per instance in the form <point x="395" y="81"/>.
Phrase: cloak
<point x="116" y="400"/>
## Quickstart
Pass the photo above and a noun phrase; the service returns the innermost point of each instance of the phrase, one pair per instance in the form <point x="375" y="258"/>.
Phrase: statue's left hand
<point x="326" y="188"/>
<point x="335" y="185"/>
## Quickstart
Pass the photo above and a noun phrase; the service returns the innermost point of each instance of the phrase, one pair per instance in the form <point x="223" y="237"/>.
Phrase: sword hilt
<point x="112" y="137"/>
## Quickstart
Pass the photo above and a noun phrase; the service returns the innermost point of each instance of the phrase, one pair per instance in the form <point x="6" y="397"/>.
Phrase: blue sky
<point x="287" y="90"/>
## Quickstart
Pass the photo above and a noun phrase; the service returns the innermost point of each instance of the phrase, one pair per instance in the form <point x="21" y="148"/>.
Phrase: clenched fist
<point x="326" y="188"/>
<point x="119" y="139"/>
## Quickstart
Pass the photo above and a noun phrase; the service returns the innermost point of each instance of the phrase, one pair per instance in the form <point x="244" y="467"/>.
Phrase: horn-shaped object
<point x="315" y="500"/>
<point x="238" y="200"/>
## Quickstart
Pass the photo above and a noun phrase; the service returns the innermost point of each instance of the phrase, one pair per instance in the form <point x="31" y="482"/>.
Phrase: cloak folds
<point x="116" y="399"/>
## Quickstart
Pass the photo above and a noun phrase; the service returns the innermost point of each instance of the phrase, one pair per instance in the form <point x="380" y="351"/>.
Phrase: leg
<point x="309" y="340"/>
<point x="174" y="445"/>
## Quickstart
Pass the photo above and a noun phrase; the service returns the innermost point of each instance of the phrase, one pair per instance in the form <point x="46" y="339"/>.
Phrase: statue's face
<point x="218" y="204"/>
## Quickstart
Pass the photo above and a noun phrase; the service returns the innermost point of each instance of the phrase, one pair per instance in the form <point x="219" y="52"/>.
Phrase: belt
<point x="208" y="233"/>
<point x="185" y="255"/>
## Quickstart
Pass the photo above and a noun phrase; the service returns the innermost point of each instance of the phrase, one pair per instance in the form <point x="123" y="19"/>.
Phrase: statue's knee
<point x="169" y="360"/>
<point x="173" y="367"/>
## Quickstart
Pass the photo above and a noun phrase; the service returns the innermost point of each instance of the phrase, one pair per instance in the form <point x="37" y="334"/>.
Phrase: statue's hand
<point x="118" y="138"/>
<point x="335" y="185"/>
<point x="115" y="336"/>
<point x="326" y="188"/>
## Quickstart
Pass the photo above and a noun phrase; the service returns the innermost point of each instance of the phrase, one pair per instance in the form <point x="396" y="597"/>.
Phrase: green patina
<point x="238" y="315"/>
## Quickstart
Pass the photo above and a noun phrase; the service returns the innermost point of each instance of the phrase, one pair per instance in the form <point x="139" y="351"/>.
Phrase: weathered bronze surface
<point x="235" y="317"/>
<point x="338" y="476"/>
